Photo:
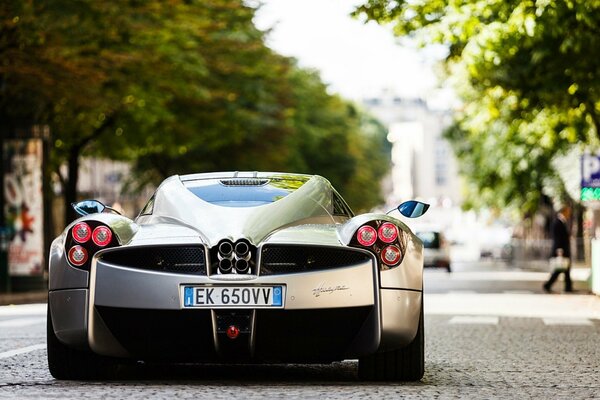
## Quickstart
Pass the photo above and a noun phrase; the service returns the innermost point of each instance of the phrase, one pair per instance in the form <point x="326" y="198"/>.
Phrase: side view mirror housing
<point x="87" y="207"/>
<point x="413" y="208"/>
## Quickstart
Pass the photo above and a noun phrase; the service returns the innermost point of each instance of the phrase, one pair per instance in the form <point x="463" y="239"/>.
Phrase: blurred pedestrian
<point x="560" y="260"/>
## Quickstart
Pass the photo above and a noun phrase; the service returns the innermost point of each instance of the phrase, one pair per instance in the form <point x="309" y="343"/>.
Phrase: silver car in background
<point x="237" y="267"/>
<point x="436" y="252"/>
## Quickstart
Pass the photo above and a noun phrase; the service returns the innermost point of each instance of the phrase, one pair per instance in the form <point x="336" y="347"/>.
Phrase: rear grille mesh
<point x="291" y="259"/>
<point x="177" y="259"/>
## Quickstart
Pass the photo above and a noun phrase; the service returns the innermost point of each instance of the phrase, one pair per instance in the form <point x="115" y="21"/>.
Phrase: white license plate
<point x="233" y="296"/>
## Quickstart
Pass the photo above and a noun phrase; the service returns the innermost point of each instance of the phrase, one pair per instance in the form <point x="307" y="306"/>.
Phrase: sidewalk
<point x="23" y="298"/>
<point x="514" y="305"/>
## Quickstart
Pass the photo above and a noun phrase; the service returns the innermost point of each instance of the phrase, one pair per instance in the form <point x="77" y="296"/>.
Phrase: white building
<point x="423" y="164"/>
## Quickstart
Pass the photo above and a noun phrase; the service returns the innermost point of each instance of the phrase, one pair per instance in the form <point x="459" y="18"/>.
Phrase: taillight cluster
<point x="384" y="239"/>
<point x="85" y="239"/>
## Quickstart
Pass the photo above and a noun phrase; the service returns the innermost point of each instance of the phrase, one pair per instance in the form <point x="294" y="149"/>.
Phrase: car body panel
<point x="308" y="204"/>
<point x="69" y="316"/>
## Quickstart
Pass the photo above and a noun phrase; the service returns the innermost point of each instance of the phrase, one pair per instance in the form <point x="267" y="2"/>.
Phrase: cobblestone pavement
<point x="466" y="357"/>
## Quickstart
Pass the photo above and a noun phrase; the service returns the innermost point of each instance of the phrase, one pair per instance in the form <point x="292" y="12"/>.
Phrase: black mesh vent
<point x="178" y="259"/>
<point x="290" y="259"/>
<point x="244" y="182"/>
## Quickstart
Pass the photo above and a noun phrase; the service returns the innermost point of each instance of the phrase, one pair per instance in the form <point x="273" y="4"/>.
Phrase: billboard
<point x="24" y="206"/>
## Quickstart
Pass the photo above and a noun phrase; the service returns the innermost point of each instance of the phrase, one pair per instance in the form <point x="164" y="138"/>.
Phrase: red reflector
<point x="81" y="232"/>
<point x="388" y="232"/>
<point x="233" y="332"/>
<point x="391" y="255"/>
<point x="366" y="235"/>
<point x="78" y="255"/>
<point x="102" y="236"/>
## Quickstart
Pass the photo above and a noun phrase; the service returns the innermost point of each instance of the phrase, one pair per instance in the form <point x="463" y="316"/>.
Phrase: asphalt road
<point x="484" y="339"/>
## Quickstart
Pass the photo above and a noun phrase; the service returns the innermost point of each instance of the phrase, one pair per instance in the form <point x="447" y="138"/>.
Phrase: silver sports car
<point x="237" y="267"/>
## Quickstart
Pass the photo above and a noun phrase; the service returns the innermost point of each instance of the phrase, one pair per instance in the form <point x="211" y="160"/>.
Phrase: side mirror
<point x="413" y="208"/>
<point x="88" y="207"/>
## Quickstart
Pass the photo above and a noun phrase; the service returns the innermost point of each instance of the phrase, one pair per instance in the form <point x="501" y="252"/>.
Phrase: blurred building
<point x="423" y="164"/>
<point x="102" y="179"/>
<point x="424" y="168"/>
<point x="107" y="181"/>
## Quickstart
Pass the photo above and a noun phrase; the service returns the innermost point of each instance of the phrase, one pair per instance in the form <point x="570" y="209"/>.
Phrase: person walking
<point x="561" y="250"/>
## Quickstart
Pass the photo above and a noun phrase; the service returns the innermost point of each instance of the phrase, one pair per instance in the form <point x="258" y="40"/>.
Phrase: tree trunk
<point x="71" y="184"/>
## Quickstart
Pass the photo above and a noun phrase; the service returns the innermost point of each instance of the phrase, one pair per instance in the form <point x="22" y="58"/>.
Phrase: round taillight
<point x="388" y="232"/>
<point x="81" y="232"/>
<point x="78" y="255"/>
<point x="366" y="235"/>
<point x="391" y="255"/>
<point x="101" y="236"/>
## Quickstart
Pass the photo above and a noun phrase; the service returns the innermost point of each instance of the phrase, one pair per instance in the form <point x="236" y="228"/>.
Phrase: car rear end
<point x="301" y="304"/>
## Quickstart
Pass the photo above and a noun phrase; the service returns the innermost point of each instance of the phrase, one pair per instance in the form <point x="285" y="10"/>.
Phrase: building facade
<point x="423" y="164"/>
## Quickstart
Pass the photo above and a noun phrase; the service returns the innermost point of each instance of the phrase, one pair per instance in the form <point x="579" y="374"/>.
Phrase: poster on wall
<point x="24" y="206"/>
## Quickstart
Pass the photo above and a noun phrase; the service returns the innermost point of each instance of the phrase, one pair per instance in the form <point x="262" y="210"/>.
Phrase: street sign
<point x="590" y="177"/>
<point x="590" y="171"/>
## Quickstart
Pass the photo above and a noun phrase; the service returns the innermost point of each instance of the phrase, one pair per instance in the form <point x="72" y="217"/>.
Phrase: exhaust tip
<point x="225" y="265"/>
<point x="241" y="265"/>
<point x="241" y="249"/>
<point x="225" y="249"/>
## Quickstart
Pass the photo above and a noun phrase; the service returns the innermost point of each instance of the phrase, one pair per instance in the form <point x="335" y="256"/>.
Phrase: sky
<point x="357" y="60"/>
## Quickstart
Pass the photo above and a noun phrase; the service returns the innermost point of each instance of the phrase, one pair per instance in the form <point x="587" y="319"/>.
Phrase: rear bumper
<point x="138" y="314"/>
<point x="304" y="336"/>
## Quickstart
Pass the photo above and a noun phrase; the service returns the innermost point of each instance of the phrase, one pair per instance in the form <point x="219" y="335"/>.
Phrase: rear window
<point x="431" y="240"/>
<point x="242" y="192"/>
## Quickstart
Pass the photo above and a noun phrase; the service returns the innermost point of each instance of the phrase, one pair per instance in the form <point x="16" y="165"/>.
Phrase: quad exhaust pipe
<point x="242" y="251"/>
<point x="225" y="250"/>
<point x="234" y="257"/>
<point x="225" y="265"/>
<point x="242" y="266"/>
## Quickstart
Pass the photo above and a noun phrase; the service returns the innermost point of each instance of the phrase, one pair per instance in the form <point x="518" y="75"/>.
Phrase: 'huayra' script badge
<point x="325" y="289"/>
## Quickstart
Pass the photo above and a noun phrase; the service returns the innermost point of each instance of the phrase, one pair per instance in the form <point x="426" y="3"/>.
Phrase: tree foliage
<point x="177" y="87"/>
<point x="529" y="77"/>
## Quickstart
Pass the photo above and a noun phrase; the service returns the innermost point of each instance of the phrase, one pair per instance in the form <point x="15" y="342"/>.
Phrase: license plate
<point x="233" y="296"/>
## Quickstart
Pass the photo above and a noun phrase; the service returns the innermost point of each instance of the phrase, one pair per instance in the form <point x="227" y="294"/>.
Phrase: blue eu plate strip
<point x="188" y="296"/>
<point x="277" y="296"/>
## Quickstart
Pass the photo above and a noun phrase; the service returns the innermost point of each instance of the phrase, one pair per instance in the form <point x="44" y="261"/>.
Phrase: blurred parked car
<point x="436" y="251"/>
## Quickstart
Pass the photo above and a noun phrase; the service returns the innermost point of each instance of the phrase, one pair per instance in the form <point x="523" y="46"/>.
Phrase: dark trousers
<point x="556" y="273"/>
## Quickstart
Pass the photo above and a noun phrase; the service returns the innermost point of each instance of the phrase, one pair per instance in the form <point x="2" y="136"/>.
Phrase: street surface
<point x="490" y="333"/>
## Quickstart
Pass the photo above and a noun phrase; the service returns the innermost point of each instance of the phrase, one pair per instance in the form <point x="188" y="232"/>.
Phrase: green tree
<point x="93" y="70"/>
<point x="176" y="87"/>
<point x="300" y="128"/>
<point x="528" y="75"/>
<point x="241" y="122"/>
<point x="334" y="138"/>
